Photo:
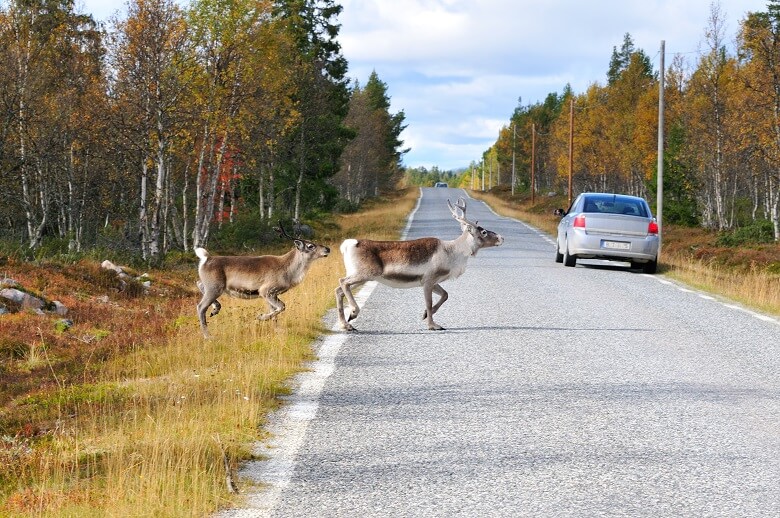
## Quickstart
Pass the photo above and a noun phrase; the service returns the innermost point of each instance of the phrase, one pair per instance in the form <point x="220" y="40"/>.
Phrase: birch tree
<point x="148" y="55"/>
<point x="219" y="30"/>
<point x="51" y="56"/>
<point x="760" y="45"/>
<point x="710" y="97"/>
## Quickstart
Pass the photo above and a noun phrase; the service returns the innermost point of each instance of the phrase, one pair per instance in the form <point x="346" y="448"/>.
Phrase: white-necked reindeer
<point x="266" y="276"/>
<point x="422" y="262"/>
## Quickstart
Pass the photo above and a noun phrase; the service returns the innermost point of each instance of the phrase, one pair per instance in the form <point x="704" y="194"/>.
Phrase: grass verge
<point x="130" y="412"/>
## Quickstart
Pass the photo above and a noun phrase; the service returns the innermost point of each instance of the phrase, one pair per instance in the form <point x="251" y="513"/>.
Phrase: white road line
<point x="755" y="314"/>
<point x="288" y="425"/>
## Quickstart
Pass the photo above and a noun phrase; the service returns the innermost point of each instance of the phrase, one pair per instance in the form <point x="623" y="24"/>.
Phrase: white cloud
<point x="457" y="67"/>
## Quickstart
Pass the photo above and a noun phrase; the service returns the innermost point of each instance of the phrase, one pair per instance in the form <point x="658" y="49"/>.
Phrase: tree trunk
<point x="299" y="181"/>
<point x="213" y="180"/>
<point x="159" y="194"/>
<point x="260" y="192"/>
<point x="184" y="211"/>
<point x="197" y="238"/>
<point x="143" y="217"/>
<point x="271" y="192"/>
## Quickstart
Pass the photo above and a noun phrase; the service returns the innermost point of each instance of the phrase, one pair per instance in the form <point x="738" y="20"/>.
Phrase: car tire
<point x="568" y="259"/>
<point x="558" y="254"/>
<point x="650" y="267"/>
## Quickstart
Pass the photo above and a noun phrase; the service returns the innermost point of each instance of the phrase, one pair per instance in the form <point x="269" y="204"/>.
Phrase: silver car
<point x="615" y="227"/>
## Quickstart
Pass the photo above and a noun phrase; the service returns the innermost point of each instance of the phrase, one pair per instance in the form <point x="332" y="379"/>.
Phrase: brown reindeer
<point x="266" y="276"/>
<point x="422" y="262"/>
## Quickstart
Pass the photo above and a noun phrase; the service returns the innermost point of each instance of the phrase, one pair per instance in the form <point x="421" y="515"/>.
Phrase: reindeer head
<point x="308" y="248"/>
<point x="482" y="238"/>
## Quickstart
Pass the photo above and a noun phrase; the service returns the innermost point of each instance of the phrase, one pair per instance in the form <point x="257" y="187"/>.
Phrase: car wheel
<point x="558" y="254"/>
<point x="650" y="267"/>
<point x="568" y="259"/>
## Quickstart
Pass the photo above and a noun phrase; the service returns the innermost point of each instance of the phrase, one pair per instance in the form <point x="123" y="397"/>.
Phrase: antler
<point x="282" y="232"/>
<point x="461" y="204"/>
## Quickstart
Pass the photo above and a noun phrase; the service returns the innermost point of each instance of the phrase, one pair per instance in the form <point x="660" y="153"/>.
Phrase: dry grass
<point x="149" y="428"/>
<point x="744" y="274"/>
<point x="754" y="287"/>
<point x="132" y="413"/>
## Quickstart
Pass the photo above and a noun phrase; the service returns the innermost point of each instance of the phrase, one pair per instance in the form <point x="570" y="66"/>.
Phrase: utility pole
<point x="660" y="198"/>
<point x="571" y="144"/>
<point x="533" y="162"/>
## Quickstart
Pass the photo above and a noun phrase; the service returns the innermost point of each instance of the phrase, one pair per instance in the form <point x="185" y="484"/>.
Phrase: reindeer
<point x="266" y="276"/>
<point x="422" y="262"/>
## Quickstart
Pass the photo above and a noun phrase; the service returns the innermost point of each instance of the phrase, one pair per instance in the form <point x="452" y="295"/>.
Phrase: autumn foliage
<point x="152" y="132"/>
<point x="722" y="130"/>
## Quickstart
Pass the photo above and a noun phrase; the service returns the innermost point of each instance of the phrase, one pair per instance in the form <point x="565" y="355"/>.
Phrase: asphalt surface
<point x="553" y="391"/>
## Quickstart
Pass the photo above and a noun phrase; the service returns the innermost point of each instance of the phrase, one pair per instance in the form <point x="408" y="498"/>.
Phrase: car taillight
<point x="579" y="221"/>
<point x="652" y="228"/>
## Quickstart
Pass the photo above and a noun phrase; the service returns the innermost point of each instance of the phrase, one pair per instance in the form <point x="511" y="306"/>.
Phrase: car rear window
<point x="615" y="205"/>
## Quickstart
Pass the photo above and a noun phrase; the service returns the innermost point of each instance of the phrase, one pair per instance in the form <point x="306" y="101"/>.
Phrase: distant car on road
<point x="441" y="184"/>
<point x="608" y="226"/>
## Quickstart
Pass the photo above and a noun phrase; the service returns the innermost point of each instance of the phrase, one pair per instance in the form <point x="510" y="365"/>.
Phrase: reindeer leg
<point x="438" y="290"/>
<point x="216" y="306"/>
<point x="203" y="305"/>
<point x="275" y="305"/>
<point x="345" y="290"/>
<point x="340" y="309"/>
<point x="428" y="292"/>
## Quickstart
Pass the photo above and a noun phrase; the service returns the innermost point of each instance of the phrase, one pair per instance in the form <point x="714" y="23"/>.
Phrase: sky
<point x="459" y="68"/>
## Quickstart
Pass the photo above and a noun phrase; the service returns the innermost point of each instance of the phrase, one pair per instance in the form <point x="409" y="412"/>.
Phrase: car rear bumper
<point x="597" y="246"/>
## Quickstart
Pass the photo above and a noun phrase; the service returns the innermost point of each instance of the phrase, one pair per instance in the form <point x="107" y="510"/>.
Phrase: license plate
<point x="616" y="245"/>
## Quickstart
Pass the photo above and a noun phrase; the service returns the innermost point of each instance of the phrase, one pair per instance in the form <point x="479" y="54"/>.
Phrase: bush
<point x="759" y="231"/>
<point x="247" y="232"/>
<point x="344" y="206"/>
<point x="12" y="348"/>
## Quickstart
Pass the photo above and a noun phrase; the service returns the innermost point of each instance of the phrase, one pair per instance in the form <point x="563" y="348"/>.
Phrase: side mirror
<point x="559" y="212"/>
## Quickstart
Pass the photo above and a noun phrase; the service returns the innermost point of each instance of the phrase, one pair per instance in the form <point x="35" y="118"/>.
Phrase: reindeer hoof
<point x="435" y="327"/>
<point x="347" y="327"/>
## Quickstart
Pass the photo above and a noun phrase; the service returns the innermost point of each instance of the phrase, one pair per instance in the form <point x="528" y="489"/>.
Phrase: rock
<point x="60" y="308"/>
<point x="25" y="300"/>
<point x="102" y="299"/>
<point x="3" y="310"/>
<point x="108" y="265"/>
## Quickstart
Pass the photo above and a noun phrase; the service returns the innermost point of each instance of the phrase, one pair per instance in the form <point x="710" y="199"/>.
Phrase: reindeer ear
<point x="300" y="245"/>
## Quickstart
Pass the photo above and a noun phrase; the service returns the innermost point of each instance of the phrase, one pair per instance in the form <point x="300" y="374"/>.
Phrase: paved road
<point x="587" y="391"/>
